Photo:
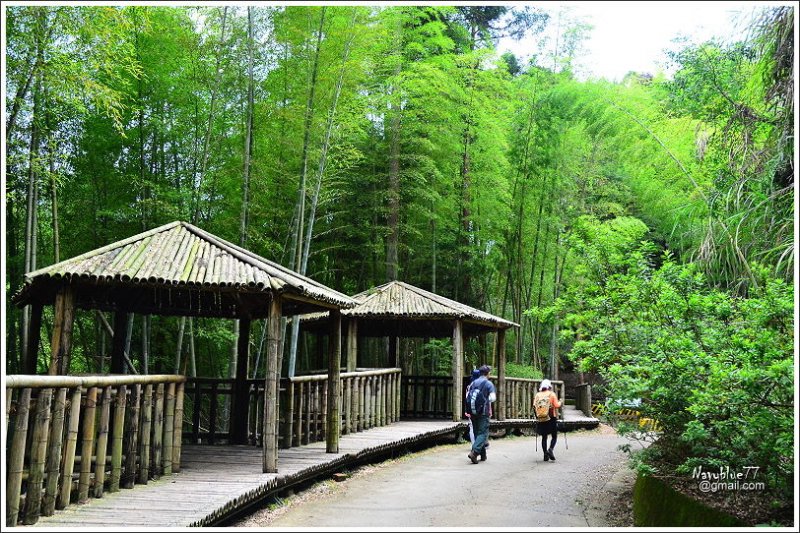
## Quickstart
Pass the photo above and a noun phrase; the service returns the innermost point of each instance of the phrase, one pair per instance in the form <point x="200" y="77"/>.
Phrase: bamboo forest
<point x="638" y="234"/>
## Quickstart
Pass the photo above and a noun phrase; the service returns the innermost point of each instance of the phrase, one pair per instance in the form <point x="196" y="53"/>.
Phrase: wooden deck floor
<point x="217" y="480"/>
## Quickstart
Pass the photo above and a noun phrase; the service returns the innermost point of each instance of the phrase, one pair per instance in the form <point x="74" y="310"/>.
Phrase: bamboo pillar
<point x="501" y="374"/>
<point x="118" y="343"/>
<point x="53" y="466"/>
<point x="16" y="457"/>
<point x="102" y="443"/>
<point x="270" y="449"/>
<point x="240" y="393"/>
<point x="169" y="428"/>
<point x="41" y="430"/>
<point x="61" y="343"/>
<point x="177" y="434"/>
<point x="457" y="369"/>
<point x="87" y="447"/>
<point x="393" y="357"/>
<point x="116" y="438"/>
<point x="144" y="434"/>
<point x="34" y="336"/>
<point x="352" y="344"/>
<point x="158" y="431"/>
<point x="334" y="427"/>
<point x="130" y="440"/>
<point x="68" y="466"/>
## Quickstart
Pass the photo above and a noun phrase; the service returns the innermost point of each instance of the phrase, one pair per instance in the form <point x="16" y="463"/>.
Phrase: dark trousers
<point x="481" y="426"/>
<point x="548" y="428"/>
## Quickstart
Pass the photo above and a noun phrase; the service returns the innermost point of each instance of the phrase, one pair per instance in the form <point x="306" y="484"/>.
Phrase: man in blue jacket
<point x="481" y="395"/>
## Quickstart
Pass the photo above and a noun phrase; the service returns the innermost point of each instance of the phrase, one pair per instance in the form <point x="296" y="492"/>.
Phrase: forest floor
<point x="588" y="485"/>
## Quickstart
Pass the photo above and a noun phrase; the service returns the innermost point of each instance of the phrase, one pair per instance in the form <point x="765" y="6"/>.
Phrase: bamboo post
<point x="380" y="398"/>
<point x="169" y="428"/>
<point x="270" y="448"/>
<point x="144" y="434"/>
<point x="16" y="458"/>
<point x="68" y="466"/>
<point x="130" y="440"/>
<point x="356" y="405"/>
<point x="87" y="447"/>
<point x="116" y="438"/>
<point x="334" y="383"/>
<point x="102" y="443"/>
<point x="41" y="429"/>
<point x="240" y="390"/>
<point x="347" y="401"/>
<point x="501" y="374"/>
<point x="158" y="431"/>
<point x="289" y="414"/>
<point x="323" y="411"/>
<point x="61" y="343"/>
<point x="34" y="336"/>
<point x="300" y="407"/>
<point x="177" y="434"/>
<point x="352" y="344"/>
<point x="457" y="369"/>
<point x="53" y="466"/>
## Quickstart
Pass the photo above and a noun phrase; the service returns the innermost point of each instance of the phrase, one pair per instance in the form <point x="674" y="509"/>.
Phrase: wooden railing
<point x="430" y="396"/>
<point x="369" y="398"/>
<point x="583" y="398"/>
<point x="71" y="438"/>
<point x="427" y="397"/>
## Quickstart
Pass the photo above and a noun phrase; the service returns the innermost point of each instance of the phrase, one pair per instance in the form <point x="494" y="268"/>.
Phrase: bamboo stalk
<point x="289" y="414"/>
<point x="53" y="466"/>
<point x="158" y="430"/>
<point x="68" y="465"/>
<point x="102" y="444"/>
<point x="300" y="408"/>
<point x="130" y="441"/>
<point x="38" y="454"/>
<point x="16" y="457"/>
<point x="116" y="438"/>
<point x="177" y="434"/>
<point x="87" y="445"/>
<point x="144" y="439"/>
<point x="169" y="429"/>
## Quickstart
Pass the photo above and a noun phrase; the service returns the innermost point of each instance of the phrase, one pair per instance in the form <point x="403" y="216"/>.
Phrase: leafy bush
<point x="715" y="370"/>
<point x="513" y="370"/>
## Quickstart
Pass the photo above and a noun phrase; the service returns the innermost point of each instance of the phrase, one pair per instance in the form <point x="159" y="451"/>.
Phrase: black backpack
<point x="476" y="397"/>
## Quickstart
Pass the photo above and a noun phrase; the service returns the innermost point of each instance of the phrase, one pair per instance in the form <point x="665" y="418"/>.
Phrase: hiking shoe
<point x="550" y="453"/>
<point x="546" y="457"/>
<point x="483" y="455"/>
<point x="473" y="457"/>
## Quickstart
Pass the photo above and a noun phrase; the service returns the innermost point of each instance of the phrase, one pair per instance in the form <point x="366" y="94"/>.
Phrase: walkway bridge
<point x="76" y="444"/>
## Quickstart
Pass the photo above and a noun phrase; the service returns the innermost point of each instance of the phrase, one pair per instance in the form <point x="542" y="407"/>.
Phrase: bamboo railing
<point x="519" y="395"/>
<point x="430" y="396"/>
<point x="369" y="398"/>
<point x="71" y="438"/>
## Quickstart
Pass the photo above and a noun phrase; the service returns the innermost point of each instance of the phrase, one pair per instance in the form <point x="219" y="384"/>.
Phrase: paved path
<point x="440" y="488"/>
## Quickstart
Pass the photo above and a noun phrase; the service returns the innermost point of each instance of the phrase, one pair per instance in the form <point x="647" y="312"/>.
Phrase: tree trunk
<point x="209" y="127"/>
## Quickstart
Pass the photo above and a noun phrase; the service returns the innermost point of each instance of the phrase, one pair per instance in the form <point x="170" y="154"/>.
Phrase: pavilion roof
<point x="397" y="300"/>
<point x="175" y="256"/>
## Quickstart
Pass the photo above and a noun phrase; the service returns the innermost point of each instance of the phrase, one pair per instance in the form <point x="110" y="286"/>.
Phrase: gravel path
<point x="440" y="487"/>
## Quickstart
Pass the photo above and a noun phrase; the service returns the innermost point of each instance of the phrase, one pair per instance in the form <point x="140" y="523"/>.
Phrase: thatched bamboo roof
<point x="399" y="308"/>
<point x="186" y="267"/>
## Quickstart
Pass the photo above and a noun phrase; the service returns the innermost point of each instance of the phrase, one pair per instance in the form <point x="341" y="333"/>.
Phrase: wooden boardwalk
<point x="217" y="481"/>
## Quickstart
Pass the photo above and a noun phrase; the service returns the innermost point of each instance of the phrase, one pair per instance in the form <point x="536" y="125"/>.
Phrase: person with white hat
<point x="546" y="405"/>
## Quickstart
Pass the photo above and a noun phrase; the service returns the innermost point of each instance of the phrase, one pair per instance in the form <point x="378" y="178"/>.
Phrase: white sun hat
<point x="545" y="384"/>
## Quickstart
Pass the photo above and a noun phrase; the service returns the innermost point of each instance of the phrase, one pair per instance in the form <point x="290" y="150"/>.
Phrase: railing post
<point x="270" y="447"/>
<point x="501" y="374"/>
<point x="53" y="466"/>
<point x="334" y="383"/>
<point x="457" y="370"/>
<point x="169" y="429"/>
<point x="177" y="434"/>
<point x="41" y="429"/>
<point x="68" y="465"/>
<point x="87" y="446"/>
<point x="131" y="437"/>
<point x="16" y="458"/>
<point x="102" y="443"/>
<point x="117" y="430"/>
